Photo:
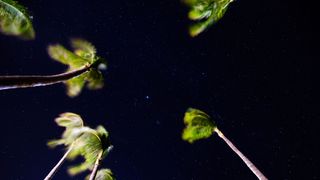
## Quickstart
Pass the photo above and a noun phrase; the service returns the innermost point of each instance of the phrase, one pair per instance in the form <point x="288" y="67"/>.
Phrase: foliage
<point x="198" y="125"/>
<point x="89" y="145"/>
<point x="83" y="55"/>
<point x="72" y="123"/>
<point x="15" y="20"/>
<point x="82" y="140"/>
<point x="103" y="174"/>
<point x="205" y="13"/>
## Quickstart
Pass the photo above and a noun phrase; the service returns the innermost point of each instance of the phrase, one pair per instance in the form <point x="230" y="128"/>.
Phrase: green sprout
<point x="83" y="70"/>
<point x="205" y="13"/>
<point x="15" y="20"/>
<point x="199" y="125"/>
<point x="92" y="144"/>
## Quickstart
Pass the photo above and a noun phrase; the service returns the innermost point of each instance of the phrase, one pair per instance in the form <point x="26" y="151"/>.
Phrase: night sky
<point x="254" y="72"/>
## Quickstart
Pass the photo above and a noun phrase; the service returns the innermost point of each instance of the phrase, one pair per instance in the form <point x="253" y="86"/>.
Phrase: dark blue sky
<point x="253" y="72"/>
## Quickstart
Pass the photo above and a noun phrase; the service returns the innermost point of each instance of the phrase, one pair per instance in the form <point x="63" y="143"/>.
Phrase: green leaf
<point x="83" y="49"/>
<point x="95" y="79"/>
<point x="73" y="124"/>
<point x="103" y="174"/>
<point x="84" y="55"/>
<point x="82" y="141"/>
<point x="75" y="85"/>
<point x="205" y="13"/>
<point x="198" y="125"/>
<point x="64" y="56"/>
<point x="104" y="137"/>
<point x="102" y="132"/>
<point x="197" y="28"/>
<point x="55" y="142"/>
<point x="14" y="20"/>
<point x="89" y="145"/>
<point x="69" y="120"/>
<point x="196" y="14"/>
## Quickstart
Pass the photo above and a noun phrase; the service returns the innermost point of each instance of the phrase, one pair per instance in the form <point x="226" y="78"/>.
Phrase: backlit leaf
<point x="205" y="13"/>
<point x="95" y="79"/>
<point x="14" y="20"/>
<point x="198" y="125"/>
<point x="75" y="85"/>
<point x="103" y="174"/>
<point x="73" y="124"/>
<point x="83" y="141"/>
<point x="64" y="56"/>
<point x="83" y="49"/>
<point x="69" y="120"/>
<point x="89" y="145"/>
<point x="84" y="55"/>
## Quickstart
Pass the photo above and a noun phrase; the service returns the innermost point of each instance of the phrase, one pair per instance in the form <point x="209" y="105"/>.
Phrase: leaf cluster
<point x="89" y="145"/>
<point x="83" y="55"/>
<point x="103" y="174"/>
<point x="205" y="13"/>
<point x="198" y="125"/>
<point x="73" y="125"/>
<point x="15" y="20"/>
<point x="83" y="141"/>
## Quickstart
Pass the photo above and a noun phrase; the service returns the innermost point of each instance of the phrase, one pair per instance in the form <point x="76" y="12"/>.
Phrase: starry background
<point x="253" y="72"/>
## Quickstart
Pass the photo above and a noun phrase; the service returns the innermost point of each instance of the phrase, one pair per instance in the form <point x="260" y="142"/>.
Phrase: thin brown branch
<point x="17" y="81"/>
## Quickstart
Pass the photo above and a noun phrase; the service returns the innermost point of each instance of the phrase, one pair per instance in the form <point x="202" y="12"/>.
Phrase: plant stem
<point x="251" y="166"/>
<point x="57" y="166"/>
<point x="95" y="168"/>
<point x="14" y="82"/>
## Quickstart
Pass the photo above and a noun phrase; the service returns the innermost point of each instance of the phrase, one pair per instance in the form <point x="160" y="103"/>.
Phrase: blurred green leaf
<point x="89" y="145"/>
<point x="14" y="20"/>
<point x="64" y="56"/>
<point x="205" y="13"/>
<point x="73" y="124"/>
<point x="80" y="140"/>
<point x="198" y="125"/>
<point x="83" y="48"/>
<point x="103" y="174"/>
<point x="69" y="120"/>
<point x="95" y="79"/>
<point x="84" y="54"/>
<point x="75" y="85"/>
